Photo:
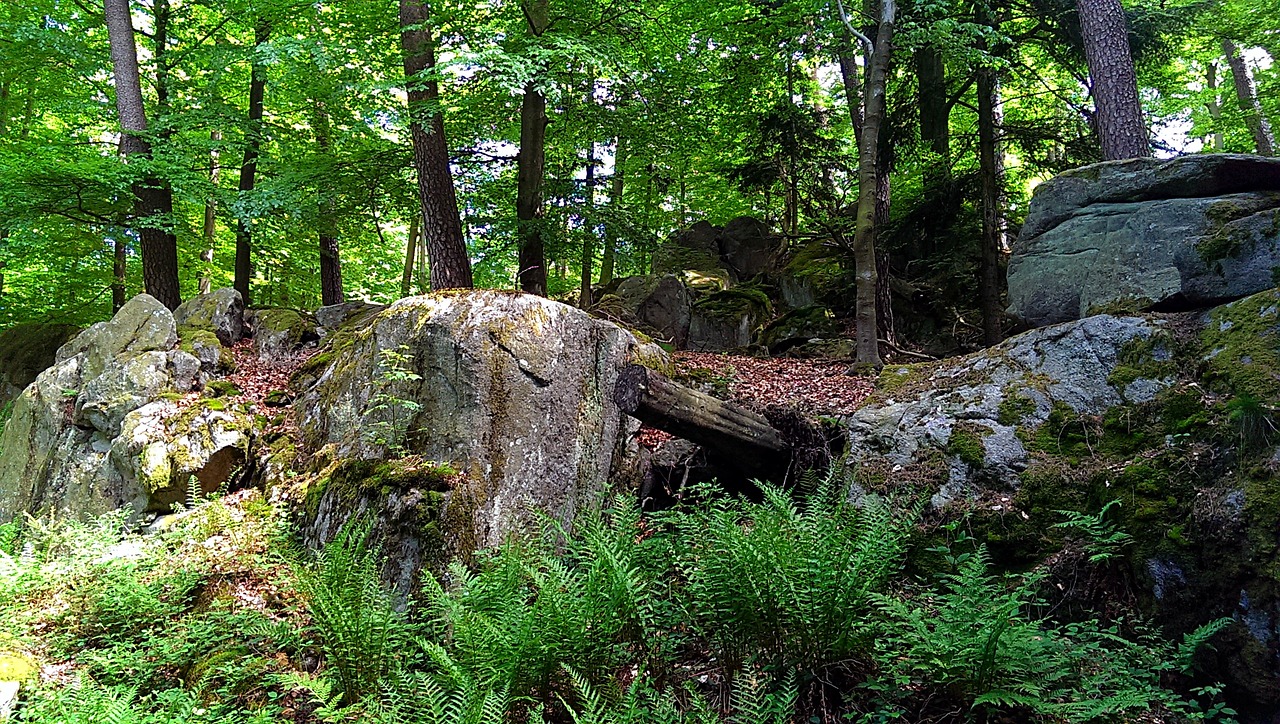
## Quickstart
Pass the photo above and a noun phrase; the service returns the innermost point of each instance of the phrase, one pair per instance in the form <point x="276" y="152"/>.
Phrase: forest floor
<point x="813" y="386"/>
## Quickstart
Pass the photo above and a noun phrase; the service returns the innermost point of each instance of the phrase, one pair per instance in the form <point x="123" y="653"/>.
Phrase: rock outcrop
<point x="279" y="332"/>
<point x="1147" y="234"/>
<point x="220" y="312"/>
<point x="500" y="402"/>
<point x="1172" y="415"/>
<point x="92" y="433"/>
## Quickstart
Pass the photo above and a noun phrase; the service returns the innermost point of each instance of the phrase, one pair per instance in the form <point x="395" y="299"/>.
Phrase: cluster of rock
<point x="720" y="288"/>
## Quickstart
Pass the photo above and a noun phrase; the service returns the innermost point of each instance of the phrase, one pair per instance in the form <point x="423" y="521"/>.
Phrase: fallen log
<point x="741" y="437"/>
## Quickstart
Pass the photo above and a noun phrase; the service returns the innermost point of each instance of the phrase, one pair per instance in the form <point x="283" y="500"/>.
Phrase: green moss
<point x="1150" y="358"/>
<point x="966" y="442"/>
<point x="745" y="299"/>
<point x="1124" y="307"/>
<point x="1241" y="346"/>
<point x="222" y="388"/>
<point x="193" y="337"/>
<point x="352" y="478"/>
<point x="17" y="667"/>
<point x="1014" y="407"/>
<point x="897" y="377"/>
<point x="1065" y="433"/>
<point x="1223" y="240"/>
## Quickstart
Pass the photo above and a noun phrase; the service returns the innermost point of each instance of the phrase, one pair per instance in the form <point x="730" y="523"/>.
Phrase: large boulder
<point x="1165" y="421"/>
<point x="220" y="312"/>
<point x="1146" y="233"/>
<point x="728" y="320"/>
<point x="659" y="305"/>
<point x="747" y="247"/>
<point x="26" y="350"/>
<point x="59" y="452"/>
<point x="470" y="411"/>
<point x="279" y="332"/>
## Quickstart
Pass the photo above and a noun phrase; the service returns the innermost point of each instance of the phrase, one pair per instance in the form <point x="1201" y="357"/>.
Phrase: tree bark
<point x="531" y="168"/>
<point x="611" y="235"/>
<point x="1247" y="95"/>
<point x="442" y="226"/>
<point x="249" y="168"/>
<point x="411" y="246"/>
<point x="990" y="170"/>
<point x="864" y="247"/>
<point x="210" y="230"/>
<point x="1214" y="106"/>
<point x="737" y="433"/>
<point x="589" y="237"/>
<point x="935" y="122"/>
<point x="1121" y="127"/>
<point x="330" y="255"/>
<point x="153" y="200"/>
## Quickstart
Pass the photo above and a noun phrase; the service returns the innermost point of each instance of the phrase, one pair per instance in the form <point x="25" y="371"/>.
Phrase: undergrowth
<point x="794" y="608"/>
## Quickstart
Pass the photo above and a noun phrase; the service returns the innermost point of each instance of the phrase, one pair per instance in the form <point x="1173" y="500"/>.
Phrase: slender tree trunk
<point x="1214" y="107"/>
<point x="153" y="203"/>
<point x="406" y="281"/>
<point x="210" y="231"/>
<point x="4" y="107"/>
<point x="611" y="235"/>
<point x="852" y="78"/>
<point x="249" y="168"/>
<point x="588" y="238"/>
<point x="935" y="122"/>
<point x="884" y="291"/>
<point x="864" y="246"/>
<point x="1247" y="95"/>
<point x="119" y="270"/>
<point x="531" y="168"/>
<point x="1121" y="127"/>
<point x="330" y="255"/>
<point x="450" y="266"/>
<point x="991" y="172"/>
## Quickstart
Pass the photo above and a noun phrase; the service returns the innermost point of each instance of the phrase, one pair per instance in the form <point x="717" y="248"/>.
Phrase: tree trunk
<point x="119" y="270"/>
<point x="442" y="227"/>
<point x="588" y="238"/>
<point x="410" y="247"/>
<point x="884" y="204"/>
<point x="1247" y="95"/>
<point x="611" y="235"/>
<point x="249" y="168"/>
<point x="864" y="247"/>
<point x="991" y="173"/>
<point x="330" y="256"/>
<point x="935" y="122"/>
<point x="210" y="231"/>
<point x="1121" y="127"/>
<point x="1214" y="106"/>
<point x="852" y="79"/>
<point x="5" y="87"/>
<point x="153" y="200"/>
<point x="531" y="168"/>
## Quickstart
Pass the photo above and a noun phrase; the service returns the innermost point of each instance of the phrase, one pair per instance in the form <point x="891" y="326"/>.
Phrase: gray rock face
<point x="60" y="451"/>
<point x="747" y="247"/>
<point x="220" y="311"/>
<point x="660" y="305"/>
<point x="26" y="350"/>
<point x="1067" y="364"/>
<point x="335" y="315"/>
<point x="1192" y="231"/>
<point x="278" y="333"/>
<point x="512" y="390"/>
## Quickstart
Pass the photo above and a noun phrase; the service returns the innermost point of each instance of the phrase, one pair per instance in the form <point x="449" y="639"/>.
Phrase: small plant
<point x="1103" y="539"/>
<point x="390" y="430"/>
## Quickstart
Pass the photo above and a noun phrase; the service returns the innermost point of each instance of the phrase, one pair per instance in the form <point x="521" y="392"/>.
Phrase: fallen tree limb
<point x="742" y="437"/>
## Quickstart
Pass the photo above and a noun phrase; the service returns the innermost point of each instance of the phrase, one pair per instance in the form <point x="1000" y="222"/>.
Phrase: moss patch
<point x="745" y="299"/>
<point x="1150" y="358"/>
<point x="1241" y="346"/>
<point x="17" y="667"/>
<point x="966" y="442"/>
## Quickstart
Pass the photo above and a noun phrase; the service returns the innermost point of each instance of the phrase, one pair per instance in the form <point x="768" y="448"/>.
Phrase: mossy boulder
<point x="797" y="327"/>
<point x="26" y="350"/>
<point x="696" y="248"/>
<point x="659" y="305"/>
<point x="514" y="391"/>
<point x="279" y="332"/>
<point x="220" y="312"/>
<point x="728" y="320"/>
<point x="1147" y="233"/>
<point x="56" y="449"/>
<point x="215" y="359"/>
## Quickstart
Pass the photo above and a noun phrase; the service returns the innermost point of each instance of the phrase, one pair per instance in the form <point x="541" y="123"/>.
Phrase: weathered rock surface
<point x="1172" y="416"/>
<point x="279" y="332"/>
<point x="26" y="350"/>
<point x="659" y="305"/>
<point x="335" y="315"/>
<point x="220" y="312"/>
<point x="66" y="448"/>
<point x="1191" y="231"/>
<point x="512" y="391"/>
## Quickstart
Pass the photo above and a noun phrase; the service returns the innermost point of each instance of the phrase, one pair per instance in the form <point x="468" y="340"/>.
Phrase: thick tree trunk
<point x="864" y="248"/>
<point x="609" y="256"/>
<point x="442" y="227"/>
<point x="1121" y="127"/>
<point x="1214" y="106"/>
<point x="153" y="202"/>
<point x="210" y="230"/>
<point x="738" y="434"/>
<point x="589" y="235"/>
<point x="119" y="270"/>
<point x="1247" y="95"/>
<point x="531" y="167"/>
<point x="410" y="247"/>
<point x="935" y="122"/>
<point x="330" y="255"/>
<point x="991" y="173"/>
<point x="249" y="168"/>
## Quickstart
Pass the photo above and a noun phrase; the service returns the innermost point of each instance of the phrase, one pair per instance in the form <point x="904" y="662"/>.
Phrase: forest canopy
<point x="290" y="137"/>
